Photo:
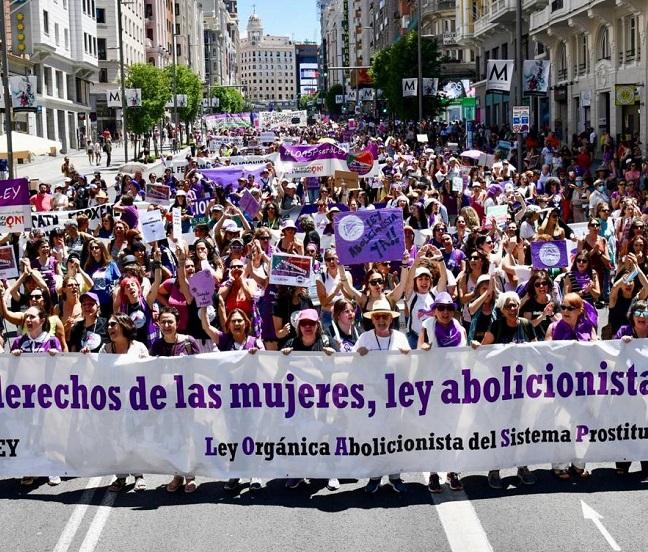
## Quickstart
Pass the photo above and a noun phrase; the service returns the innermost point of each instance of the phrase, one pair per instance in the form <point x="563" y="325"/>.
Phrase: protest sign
<point x="274" y="119"/>
<point x="369" y="236"/>
<point x="267" y="137"/>
<point x="290" y="270"/>
<point x="323" y="160"/>
<point x="422" y="138"/>
<point x="248" y="204"/>
<point x="176" y="218"/>
<point x="223" y="121"/>
<point x="152" y="226"/>
<point x="157" y="192"/>
<point x="252" y="159"/>
<point x="381" y="413"/>
<point x="457" y="184"/>
<point x="8" y="265"/>
<point x="201" y="215"/>
<point x="14" y="205"/>
<point x="49" y="220"/>
<point x="549" y="254"/>
<point x="498" y="212"/>
<point x="346" y="179"/>
<point x="202" y="286"/>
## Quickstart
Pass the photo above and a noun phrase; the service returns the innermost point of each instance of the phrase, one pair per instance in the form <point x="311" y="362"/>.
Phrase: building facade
<point x="307" y="69"/>
<point x="135" y="45"/>
<point x="267" y="67"/>
<point x="189" y="36"/>
<point x="221" y="43"/>
<point x="57" y="44"/>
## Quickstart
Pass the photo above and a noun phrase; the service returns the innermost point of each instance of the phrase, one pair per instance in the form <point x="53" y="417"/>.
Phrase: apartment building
<point x="221" y="43"/>
<point x="267" y="65"/>
<point x="58" y="45"/>
<point x="189" y="31"/>
<point x="135" y="45"/>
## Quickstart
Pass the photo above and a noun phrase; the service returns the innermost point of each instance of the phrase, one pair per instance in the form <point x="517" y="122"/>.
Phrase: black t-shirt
<point x="93" y="336"/>
<point x="323" y="341"/>
<point x="535" y="309"/>
<point x="522" y="333"/>
<point x="284" y="310"/>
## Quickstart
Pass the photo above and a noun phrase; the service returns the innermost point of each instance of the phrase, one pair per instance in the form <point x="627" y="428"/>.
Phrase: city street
<point x="80" y="515"/>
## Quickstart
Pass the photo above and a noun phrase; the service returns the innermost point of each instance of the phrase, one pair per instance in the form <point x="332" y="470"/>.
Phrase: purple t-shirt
<point x="41" y="344"/>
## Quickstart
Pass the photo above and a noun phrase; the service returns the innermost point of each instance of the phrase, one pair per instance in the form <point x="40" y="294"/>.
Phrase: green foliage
<point x="231" y="99"/>
<point x="400" y="61"/>
<point x="187" y="82"/>
<point x="332" y="107"/>
<point x="155" y="93"/>
<point x="306" y="99"/>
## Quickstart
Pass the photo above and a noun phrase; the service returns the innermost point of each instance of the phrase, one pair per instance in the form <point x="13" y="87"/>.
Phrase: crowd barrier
<point x="269" y="415"/>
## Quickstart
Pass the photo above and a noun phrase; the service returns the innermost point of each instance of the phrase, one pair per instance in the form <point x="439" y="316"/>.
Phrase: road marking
<point x="98" y="523"/>
<point x="462" y="527"/>
<point x="592" y="514"/>
<point x="72" y="526"/>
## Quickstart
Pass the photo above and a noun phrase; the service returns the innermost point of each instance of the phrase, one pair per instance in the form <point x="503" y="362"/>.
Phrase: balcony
<point x="531" y="6"/>
<point x="557" y="11"/>
<point x="500" y="12"/>
<point x="432" y="6"/>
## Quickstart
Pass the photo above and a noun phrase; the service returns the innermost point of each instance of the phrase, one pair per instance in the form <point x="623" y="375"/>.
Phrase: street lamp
<point x="419" y="38"/>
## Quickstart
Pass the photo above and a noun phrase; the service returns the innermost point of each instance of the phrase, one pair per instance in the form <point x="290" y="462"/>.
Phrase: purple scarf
<point x="447" y="336"/>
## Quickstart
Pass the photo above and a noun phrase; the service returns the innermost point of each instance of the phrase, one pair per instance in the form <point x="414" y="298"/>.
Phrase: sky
<point x="297" y="19"/>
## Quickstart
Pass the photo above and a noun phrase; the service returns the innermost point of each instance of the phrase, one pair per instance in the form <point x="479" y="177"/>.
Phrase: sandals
<point x="562" y="474"/>
<point x="175" y="484"/>
<point x="581" y="473"/>
<point x="117" y="485"/>
<point x="140" y="484"/>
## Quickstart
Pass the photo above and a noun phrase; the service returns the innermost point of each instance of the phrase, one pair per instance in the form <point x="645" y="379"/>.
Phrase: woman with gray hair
<point x="510" y="327"/>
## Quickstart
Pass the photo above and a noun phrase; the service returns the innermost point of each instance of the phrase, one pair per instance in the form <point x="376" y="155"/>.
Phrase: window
<point x="505" y="51"/>
<point x="101" y="49"/>
<point x="562" y="62"/>
<point x="45" y="22"/>
<point x="101" y="15"/>
<point x="103" y="75"/>
<point x="66" y="38"/>
<point x="56" y="34"/>
<point x="603" y="44"/>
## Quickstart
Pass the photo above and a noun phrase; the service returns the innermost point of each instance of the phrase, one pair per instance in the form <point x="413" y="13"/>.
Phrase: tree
<point x="155" y="93"/>
<point x="331" y="105"/>
<point x="399" y="61"/>
<point x="231" y="99"/>
<point x="187" y="83"/>
<point x="308" y="98"/>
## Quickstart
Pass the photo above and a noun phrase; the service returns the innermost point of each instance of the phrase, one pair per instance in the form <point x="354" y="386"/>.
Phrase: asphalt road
<point x="80" y="515"/>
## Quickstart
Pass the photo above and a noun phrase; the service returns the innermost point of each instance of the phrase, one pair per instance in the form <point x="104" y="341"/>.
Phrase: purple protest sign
<point x="248" y="204"/>
<point x="14" y="192"/>
<point x="549" y="254"/>
<point x="202" y="287"/>
<point x="226" y="176"/>
<point x="369" y="236"/>
<point x="15" y="210"/>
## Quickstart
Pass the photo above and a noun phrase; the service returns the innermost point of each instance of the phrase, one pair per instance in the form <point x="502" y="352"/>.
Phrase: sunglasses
<point x="568" y="308"/>
<point x="475" y="258"/>
<point x="595" y="225"/>
<point x="444" y="308"/>
<point x="541" y="284"/>
<point x="236" y="267"/>
<point x="376" y="282"/>
<point x="582" y="261"/>
<point x="264" y="238"/>
<point x="36" y="296"/>
<point x="640" y="314"/>
<point x="112" y="324"/>
<point x="308" y="323"/>
<point x="511" y="306"/>
<point x="330" y="260"/>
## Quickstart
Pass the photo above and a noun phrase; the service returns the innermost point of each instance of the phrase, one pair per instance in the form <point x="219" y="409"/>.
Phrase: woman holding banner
<point x="121" y="334"/>
<point x="442" y="330"/>
<point x="578" y="323"/>
<point x="509" y="328"/>
<point x="104" y="273"/>
<point x="36" y="339"/>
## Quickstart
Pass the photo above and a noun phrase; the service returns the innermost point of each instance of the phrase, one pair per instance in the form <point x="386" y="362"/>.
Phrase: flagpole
<point x="7" y="96"/>
<point x="520" y="75"/>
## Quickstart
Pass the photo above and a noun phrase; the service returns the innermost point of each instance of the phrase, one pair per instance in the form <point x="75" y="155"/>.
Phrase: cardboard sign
<point x="549" y="254"/>
<point x="8" y="265"/>
<point x="291" y="270"/>
<point x="346" y="179"/>
<point x="457" y="184"/>
<point x="152" y="226"/>
<point x="157" y="192"/>
<point x="248" y="204"/>
<point x="177" y="222"/>
<point x="202" y="286"/>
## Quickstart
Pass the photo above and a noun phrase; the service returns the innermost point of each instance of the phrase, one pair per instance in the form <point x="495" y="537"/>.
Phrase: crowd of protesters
<point x="464" y="278"/>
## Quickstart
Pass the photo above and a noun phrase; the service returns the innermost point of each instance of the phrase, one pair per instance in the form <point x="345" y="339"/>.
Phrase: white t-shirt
<point x="527" y="230"/>
<point x="396" y="340"/>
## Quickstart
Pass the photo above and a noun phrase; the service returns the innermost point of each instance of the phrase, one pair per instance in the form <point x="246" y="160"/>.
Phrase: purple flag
<point x="14" y="192"/>
<point x="369" y="236"/>
<point x="549" y="254"/>
<point x="225" y="176"/>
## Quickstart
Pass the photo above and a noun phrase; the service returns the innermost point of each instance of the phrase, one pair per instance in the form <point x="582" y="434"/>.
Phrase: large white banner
<point x="49" y="220"/>
<point x="499" y="75"/>
<point x="275" y="119"/>
<point x="310" y="415"/>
